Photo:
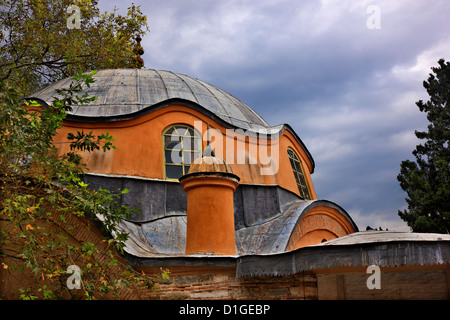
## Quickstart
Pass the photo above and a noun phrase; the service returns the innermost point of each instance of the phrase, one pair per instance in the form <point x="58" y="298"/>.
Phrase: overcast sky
<point x="344" y="74"/>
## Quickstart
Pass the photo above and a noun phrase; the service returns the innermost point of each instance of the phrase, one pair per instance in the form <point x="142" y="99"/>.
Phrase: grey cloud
<point x="348" y="91"/>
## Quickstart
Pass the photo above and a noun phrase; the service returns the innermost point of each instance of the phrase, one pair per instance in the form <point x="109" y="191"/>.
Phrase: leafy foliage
<point x="427" y="180"/>
<point x="45" y="204"/>
<point x="37" y="47"/>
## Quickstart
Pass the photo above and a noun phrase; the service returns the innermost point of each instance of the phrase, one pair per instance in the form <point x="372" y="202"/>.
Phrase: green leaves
<point x="41" y="193"/>
<point x="38" y="48"/>
<point x="88" y="142"/>
<point x="426" y="181"/>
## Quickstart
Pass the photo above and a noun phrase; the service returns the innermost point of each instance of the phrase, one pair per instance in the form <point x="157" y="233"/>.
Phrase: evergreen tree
<point x="426" y="181"/>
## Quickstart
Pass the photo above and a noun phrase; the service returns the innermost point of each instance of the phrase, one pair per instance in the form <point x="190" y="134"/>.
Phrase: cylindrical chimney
<point x="210" y="184"/>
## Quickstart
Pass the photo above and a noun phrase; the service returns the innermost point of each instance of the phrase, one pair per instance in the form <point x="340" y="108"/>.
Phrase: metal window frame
<point x="183" y="165"/>
<point x="299" y="174"/>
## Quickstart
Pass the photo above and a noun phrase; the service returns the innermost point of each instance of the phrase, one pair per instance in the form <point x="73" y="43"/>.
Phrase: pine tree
<point x="426" y="181"/>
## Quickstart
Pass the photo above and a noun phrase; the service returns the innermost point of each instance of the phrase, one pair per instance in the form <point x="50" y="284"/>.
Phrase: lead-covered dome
<point x="122" y="92"/>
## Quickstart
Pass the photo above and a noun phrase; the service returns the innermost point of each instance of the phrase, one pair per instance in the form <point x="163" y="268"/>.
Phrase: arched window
<point x="299" y="175"/>
<point x="182" y="144"/>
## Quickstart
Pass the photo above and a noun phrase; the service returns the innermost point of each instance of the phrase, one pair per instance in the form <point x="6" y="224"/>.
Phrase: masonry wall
<point x="81" y="231"/>
<point x="395" y="284"/>
<point x="225" y="286"/>
<point x="418" y="283"/>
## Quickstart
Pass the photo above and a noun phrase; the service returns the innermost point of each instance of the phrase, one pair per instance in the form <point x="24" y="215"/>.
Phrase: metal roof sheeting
<point x="167" y="236"/>
<point x="273" y="236"/>
<point x="127" y="93"/>
<point x="383" y="249"/>
<point x="384" y="236"/>
<point x="122" y="92"/>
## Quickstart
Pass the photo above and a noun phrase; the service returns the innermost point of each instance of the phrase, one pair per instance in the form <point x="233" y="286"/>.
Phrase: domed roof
<point x="122" y="92"/>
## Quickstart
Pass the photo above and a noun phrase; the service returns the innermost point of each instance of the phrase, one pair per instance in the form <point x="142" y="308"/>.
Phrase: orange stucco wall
<point x="285" y="176"/>
<point x="319" y="224"/>
<point x="210" y="215"/>
<point x="140" y="149"/>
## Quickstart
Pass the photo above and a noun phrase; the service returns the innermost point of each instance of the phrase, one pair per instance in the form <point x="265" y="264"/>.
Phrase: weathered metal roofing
<point x="166" y="236"/>
<point x="361" y="249"/>
<point x="162" y="237"/>
<point x="158" y="238"/>
<point x="122" y="92"/>
<point x="127" y="93"/>
<point x="381" y="248"/>
<point x="273" y="236"/>
<point x="384" y="236"/>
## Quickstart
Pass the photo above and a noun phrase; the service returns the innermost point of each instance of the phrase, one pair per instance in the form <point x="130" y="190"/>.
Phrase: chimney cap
<point x="210" y="166"/>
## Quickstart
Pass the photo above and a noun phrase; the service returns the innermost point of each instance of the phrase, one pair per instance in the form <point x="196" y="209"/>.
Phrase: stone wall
<point x="419" y="283"/>
<point x="225" y="286"/>
<point x="394" y="284"/>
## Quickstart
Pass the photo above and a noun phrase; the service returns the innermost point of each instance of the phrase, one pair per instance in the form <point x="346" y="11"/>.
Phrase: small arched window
<point x="299" y="175"/>
<point x="182" y="144"/>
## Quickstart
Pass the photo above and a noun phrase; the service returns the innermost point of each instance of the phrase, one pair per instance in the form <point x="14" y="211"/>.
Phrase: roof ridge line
<point x="189" y="87"/>
<point x="162" y="81"/>
<point x="228" y="95"/>
<point x="109" y="85"/>
<point x="220" y="103"/>
<point x="138" y="91"/>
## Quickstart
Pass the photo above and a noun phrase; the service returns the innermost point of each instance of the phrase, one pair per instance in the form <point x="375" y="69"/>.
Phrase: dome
<point x="123" y="92"/>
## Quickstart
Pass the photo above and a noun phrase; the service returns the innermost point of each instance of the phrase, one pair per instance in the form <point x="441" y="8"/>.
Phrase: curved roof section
<point x="128" y="93"/>
<point x="167" y="236"/>
<point x="122" y="92"/>
<point x="273" y="236"/>
<point x="365" y="248"/>
<point x="384" y="236"/>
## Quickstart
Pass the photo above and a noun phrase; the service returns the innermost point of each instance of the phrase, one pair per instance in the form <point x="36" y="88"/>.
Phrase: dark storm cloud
<point x="347" y="90"/>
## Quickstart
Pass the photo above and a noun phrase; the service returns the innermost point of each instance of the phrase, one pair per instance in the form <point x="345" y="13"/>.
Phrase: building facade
<point x="162" y="122"/>
<point x="224" y="197"/>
